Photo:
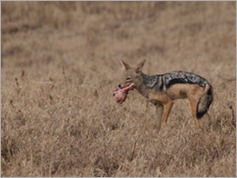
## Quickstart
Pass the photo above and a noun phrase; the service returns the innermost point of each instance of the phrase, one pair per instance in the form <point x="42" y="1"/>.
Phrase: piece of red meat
<point x="120" y="92"/>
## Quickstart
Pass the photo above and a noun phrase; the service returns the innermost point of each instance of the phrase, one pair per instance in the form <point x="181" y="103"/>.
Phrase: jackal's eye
<point x="128" y="78"/>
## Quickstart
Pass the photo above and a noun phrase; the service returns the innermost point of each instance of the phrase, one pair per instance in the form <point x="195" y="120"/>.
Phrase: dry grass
<point x="60" y="62"/>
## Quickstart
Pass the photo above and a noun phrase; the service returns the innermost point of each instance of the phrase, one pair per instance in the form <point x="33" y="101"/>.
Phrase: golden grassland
<point x="60" y="62"/>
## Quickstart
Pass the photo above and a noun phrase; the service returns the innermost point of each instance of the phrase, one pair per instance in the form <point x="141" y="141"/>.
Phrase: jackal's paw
<point x="163" y="125"/>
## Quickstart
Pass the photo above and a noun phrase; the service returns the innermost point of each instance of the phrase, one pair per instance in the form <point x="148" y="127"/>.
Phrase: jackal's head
<point x="132" y="74"/>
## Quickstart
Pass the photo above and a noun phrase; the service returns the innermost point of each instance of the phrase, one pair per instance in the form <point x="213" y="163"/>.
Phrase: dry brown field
<point x="60" y="63"/>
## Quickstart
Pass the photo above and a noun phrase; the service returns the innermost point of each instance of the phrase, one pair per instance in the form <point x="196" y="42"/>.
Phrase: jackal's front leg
<point x="159" y="112"/>
<point x="166" y="112"/>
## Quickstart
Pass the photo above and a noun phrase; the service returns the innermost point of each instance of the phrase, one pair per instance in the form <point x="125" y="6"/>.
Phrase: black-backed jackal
<point x="163" y="89"/>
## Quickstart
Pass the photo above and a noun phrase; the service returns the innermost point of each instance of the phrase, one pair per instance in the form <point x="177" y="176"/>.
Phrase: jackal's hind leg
<point x="193" y="104"/>
<point x="206" y="121"/>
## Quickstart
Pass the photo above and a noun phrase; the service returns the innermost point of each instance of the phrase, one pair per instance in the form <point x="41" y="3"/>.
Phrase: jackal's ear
<point x="140" y="65"/>
<point x="125" y="65"/>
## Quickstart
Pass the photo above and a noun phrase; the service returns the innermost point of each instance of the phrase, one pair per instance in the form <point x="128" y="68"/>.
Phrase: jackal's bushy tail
<point x="205" y="101"/>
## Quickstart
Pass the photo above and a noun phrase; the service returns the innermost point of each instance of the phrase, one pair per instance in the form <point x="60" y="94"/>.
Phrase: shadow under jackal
<point x="163" y="89"/>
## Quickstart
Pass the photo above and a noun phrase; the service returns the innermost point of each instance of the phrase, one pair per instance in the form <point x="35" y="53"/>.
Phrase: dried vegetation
<point x="60" y="62"/>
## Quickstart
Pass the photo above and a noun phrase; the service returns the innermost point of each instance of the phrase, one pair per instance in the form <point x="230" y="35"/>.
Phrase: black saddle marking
<point x="164" y="81"/>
